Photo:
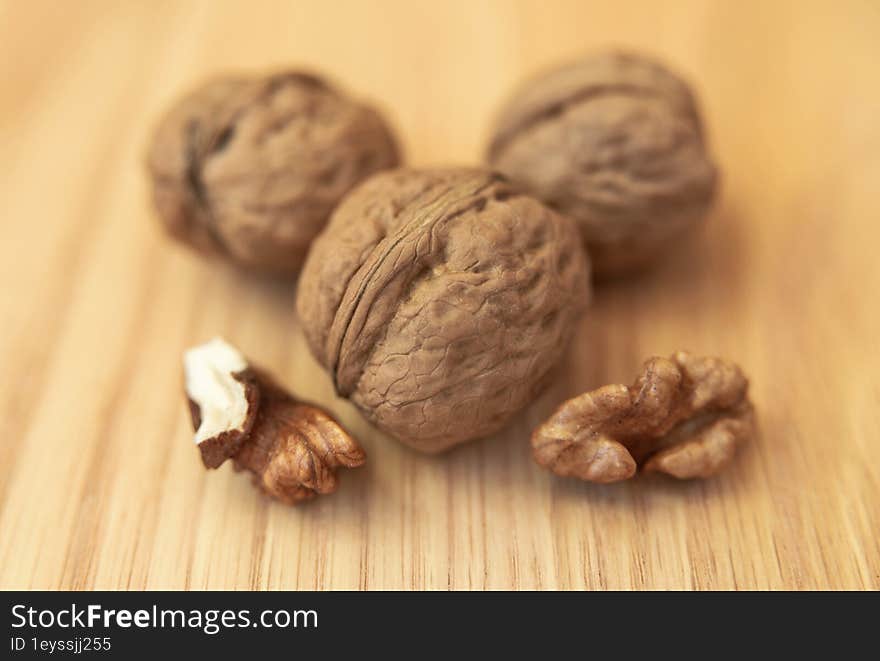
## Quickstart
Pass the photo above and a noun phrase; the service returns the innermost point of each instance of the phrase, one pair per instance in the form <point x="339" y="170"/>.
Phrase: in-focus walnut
<point x="440" y="300"/>
<point x="684" y="416"/>
<point x="293" y="449"/>
<point x="250" y="168"/>
<point x="614" y="141"/>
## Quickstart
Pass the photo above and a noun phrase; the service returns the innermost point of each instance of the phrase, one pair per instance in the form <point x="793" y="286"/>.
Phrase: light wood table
<point x="100" y="486"/>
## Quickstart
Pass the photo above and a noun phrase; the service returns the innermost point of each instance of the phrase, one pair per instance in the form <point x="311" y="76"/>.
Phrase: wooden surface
<point x="99" y="483"/>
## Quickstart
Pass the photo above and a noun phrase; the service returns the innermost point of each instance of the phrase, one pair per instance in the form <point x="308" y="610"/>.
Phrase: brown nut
<point x="614" y="141"/>
<point x="293" y="449"/>
<point x="684" y="416"/>
<point x="440" y="300"/>
<point x="250" y="168"/>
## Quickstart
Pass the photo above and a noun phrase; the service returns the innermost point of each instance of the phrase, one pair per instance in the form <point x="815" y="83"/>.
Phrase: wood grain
<point x="100" y="486"/>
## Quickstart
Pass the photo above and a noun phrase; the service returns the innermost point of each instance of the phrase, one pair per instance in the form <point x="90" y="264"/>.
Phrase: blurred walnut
<point x="614" y="141"/>
<point x="250" y="168"/>
<point x="684" y="416"/>
<point x="291" y="448"/>
<point x="440" y="300"/>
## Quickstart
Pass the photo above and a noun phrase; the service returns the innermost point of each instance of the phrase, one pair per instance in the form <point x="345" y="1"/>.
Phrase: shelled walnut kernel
<point x="291" y="448"/>
<point x="684" y="416"/>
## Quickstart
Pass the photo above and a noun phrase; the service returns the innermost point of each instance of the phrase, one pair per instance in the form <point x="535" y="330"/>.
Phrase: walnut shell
<point x="615" y="141"/>
<point x="440" y="300"/>
<point x="251" y="168"/>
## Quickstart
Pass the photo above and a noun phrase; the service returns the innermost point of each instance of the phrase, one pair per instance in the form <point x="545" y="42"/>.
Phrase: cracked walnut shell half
<point x="684" y="416"/>
<point x="615" y="141"/>
<point x="439" y="300"/>
<point x="292" y="449"/>
<point x="250" y="167"/>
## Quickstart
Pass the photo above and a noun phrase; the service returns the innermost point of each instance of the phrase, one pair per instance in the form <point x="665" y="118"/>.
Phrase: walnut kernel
<point x="684" y="416"/>
<point x="292" y="449"/>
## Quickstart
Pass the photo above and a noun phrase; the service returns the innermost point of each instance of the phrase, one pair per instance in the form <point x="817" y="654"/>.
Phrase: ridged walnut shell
<point x="615" y="141"/>
<point x="250" y="168"/>
<point x="440" y="300"/>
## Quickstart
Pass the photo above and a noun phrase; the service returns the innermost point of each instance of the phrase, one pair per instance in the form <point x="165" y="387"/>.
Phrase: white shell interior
<point x="208" y="370"/>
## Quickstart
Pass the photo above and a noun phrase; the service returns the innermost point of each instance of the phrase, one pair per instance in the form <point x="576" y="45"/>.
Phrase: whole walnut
<point x="250" y="168"/>
<point x="440" y="300"/>
<point x="614" y="141"/>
